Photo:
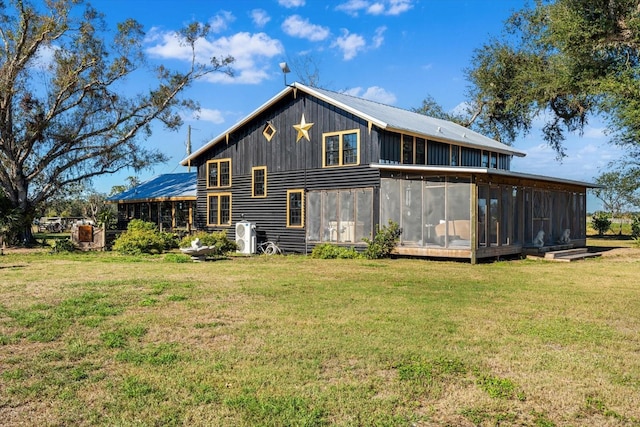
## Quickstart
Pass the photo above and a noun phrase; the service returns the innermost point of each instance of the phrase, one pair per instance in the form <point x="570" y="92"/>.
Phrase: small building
<point x="167" y="200"/>
<point x="313" y="166"/>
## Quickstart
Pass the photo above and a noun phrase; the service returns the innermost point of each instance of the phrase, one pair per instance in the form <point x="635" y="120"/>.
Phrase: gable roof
<point x="170" y="186"/>
<point x="383" y="116"/>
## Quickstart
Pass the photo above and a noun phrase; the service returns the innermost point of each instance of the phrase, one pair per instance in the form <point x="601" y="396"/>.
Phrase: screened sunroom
<point x="477" y="213"/>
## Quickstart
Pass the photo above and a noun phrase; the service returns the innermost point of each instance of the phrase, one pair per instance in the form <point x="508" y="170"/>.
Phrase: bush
<point x="217" y="238"/>
<point x="635" y="227"/>
<point x="63" y="245"/>
<point x="601" y="222"/>
<point x="329" y="251"/>
<point x="143" y="237"/>
<point x="384" y="241"/>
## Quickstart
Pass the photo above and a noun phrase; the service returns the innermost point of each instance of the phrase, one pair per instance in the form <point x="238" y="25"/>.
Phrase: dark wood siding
<point x="290" y="165"/>
<point x="269" y="214"/>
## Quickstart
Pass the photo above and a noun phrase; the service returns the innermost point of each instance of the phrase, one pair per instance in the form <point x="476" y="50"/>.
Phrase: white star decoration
<point x="303" y="129"/>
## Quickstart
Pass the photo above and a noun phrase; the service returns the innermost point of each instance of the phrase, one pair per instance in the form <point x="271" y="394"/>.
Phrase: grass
<point x="101" y="339"/>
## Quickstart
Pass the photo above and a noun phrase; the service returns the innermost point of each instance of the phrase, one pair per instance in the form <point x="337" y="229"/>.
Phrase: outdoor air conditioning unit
<point x="246" y="237"/>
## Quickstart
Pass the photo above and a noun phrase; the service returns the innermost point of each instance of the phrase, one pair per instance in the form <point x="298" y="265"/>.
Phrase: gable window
<point x="219" y="209"/>
<point x="219" y="173"/>
<point x="295" y="208"/>
<point x="341" y="148"/>
<point x="269" y="131"/>
<point x="259" y="181"/>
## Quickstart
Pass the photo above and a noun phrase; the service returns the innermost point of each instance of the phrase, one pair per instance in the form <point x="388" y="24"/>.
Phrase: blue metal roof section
<point x="170" y="186"/>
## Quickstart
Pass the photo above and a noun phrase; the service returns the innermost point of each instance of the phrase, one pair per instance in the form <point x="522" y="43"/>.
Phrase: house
<point x="313" y="166"/>
<point x="167" y="200"/>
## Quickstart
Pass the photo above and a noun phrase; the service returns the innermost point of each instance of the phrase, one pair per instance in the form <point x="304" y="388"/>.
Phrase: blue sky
<point x="393" y="51"/>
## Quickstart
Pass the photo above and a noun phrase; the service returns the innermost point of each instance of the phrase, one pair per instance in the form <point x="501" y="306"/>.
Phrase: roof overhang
<point x="154" y="199"/>
<point x="479" y="171"/>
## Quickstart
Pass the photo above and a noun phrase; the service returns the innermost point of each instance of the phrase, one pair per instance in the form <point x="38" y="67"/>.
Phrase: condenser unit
<point x="246" y="237"/>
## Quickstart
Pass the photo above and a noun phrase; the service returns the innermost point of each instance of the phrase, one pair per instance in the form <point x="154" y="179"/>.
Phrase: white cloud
<point x="396" y="7"/>
<point x="380" y="7"/>
<point x="291" y="3"/>
<point x="596" y="133"/>
<point x="251" y="52"/>
<point x="221" y="21"/>
<point x="260" y="17"/>
<point x="350" y="44"/>
<point x="378" y="38"/>
<point x="208" y="115"/>
<point x="296" y="26"/>
<point x="373" y="93"/>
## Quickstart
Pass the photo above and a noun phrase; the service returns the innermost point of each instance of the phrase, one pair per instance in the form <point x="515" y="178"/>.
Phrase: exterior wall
<point x="290" y="165"/>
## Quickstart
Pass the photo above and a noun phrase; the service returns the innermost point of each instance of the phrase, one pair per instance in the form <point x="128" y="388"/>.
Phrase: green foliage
<point x="143" y="237"/>
<point x="219" y="239"/>
<point x="618" y="190"/>
<point x="383" y="242"/>
<point x="329" y="251"/>
<point x="51" y="135"/>
<point x="635" y="227"/>
<point x="63" y="245"/>
<point x="601" y="222"/>
<point x="572" y="60"/>
<point x="177" y="258"/>
<point x="498" y="388"/>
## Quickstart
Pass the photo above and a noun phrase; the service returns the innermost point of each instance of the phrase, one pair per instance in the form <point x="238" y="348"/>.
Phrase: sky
<point x="397" y="52"/>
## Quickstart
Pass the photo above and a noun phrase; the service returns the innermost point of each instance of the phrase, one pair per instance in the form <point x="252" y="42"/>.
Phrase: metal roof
<point x="383" y="116"/>
<point x="170" y="186"/>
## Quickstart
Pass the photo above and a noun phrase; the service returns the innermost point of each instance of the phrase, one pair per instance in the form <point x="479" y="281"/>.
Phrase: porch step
<point x="564" y="252"/>
<point x="569" y="255"/>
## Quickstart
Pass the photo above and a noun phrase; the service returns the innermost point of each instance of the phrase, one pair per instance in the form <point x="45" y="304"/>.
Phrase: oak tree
<point x="563" y="62"/>
<point x="66" y="114"/>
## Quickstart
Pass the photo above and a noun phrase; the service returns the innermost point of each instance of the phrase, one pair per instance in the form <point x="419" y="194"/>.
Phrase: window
<point x="295" y="208"/>
<point x="407" y="150"/>
<point x="485" y="159"/>
<point x="421" y="158"/>
<point x="494" y="161"/>
<point x="259" y="181"/>
<point x="455" y="154"/>
<point x="341" y="148"/>
<point x="219" y="208"/>
<point x="268" y="131"/>
<point x="339" y="216"/>
<point x="219" y="173"/>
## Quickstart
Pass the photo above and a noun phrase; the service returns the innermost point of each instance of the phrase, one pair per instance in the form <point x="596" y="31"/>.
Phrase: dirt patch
<point x="627" y="253"/>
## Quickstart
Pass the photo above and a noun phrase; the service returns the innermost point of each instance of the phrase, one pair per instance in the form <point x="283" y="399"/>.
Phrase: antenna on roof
<point x="189" y="145"/>
<point x="285" y="70"/>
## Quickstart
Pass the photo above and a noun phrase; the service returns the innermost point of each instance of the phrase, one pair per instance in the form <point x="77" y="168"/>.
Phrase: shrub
<point x="601" y="222"/>
<point x="329" y="251"/>
<point x="383" y="242"/>
<point x="142" y="237"/>
<point x="63" y="245"/>
<point x="635" y="227"/>
<point x="218" y="239"/>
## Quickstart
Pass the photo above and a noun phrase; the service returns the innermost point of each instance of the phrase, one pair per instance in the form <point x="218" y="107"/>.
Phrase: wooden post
<point x="474" y="222"/>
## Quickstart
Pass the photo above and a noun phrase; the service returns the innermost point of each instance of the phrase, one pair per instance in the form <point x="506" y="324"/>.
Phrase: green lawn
<point x="100" y="339"/>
